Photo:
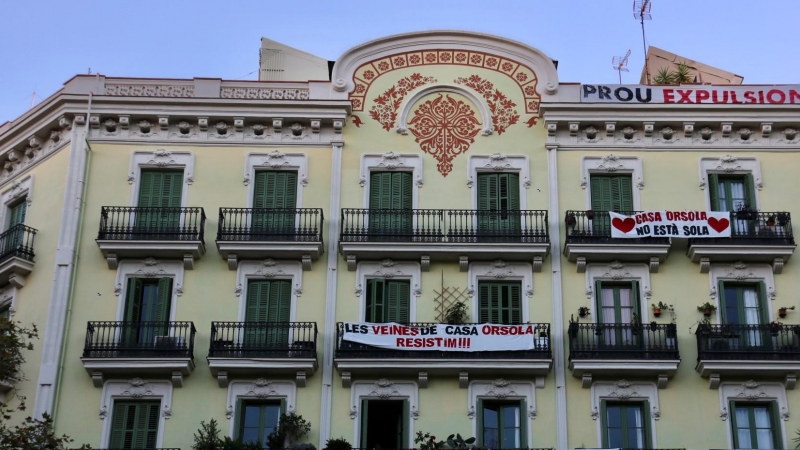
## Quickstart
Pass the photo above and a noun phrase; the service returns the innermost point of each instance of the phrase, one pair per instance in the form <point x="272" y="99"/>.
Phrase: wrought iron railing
<point x="159" y="224"/>
<point x="146" y="448"/>
<point x="541" y="348"/>
<point x="623" y="341"/>
<point x="756" y="227"/>
<point x="139" y="340"/>
<point x="17" y="241"/>
<point x="594" y="227"/>
<point x="444" y="225"/>
<point x="772" y="341"/>
<point x="278" y="224"/>
<point x="263" y="340"/>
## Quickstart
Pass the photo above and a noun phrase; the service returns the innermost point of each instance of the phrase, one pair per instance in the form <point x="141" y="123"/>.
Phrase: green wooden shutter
<point x="479" y="418"/>
<point x="713" y="191"/>
<point x="390" y="191"/>
<point x="18" y="214"/>
<point x="774" y="418"/>
<point x="734" y="425"/>
<point x="406" y="414"/>
<point x="512" y="182"/>
<point x="722" y="301"/>
<point x="625" y="193"/>
<point x="750" y="191"/>
<point x="119" y="419"/>
<point x="648" y="433"/>
<point x="164" y="299"/>
<point x="280" y="300"/>
<point x="364" y="422"/>
<point x="275" y="190"/>
<point x="604" y="422"/>
<point x="516" y="303"/>
<point x="598" y="295"/>
<point x="134" y="424"/>
<point x="635" y="299"/>
<point x="238" y="420"/>
<point x="259" y="190"/>
<point x="762" y="303"/>
<point x="485" y="302"/>
<point x="146" y="430"/>
<point x="146" y="188"/>
<point x="523" y="424"/>
<point x="376" y="305"/>
<point x="133" y="302"/>
<point x="599" y="189"/>
<point x="398" y="295"/>
<point x="256" y="309"/>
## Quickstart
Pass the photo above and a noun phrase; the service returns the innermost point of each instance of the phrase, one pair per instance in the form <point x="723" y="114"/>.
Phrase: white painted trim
<point x="383" y="389"/>
<point x="394" y="270"/>
<point x="754" y="392"/>
<point x="499" y="162"/>
<point x="624" y="391"/>
<point x="501" y="389"/>
<point x="730" y="165"/>
<point x="160" y="159"/>
<point x="148" y="268"/>
<point x="268" y="269"/>
<point x="134" y="389"/>
<point x="741" y="272"/>
<point x="260" y="389"/>
<point x="500" y="271"/>
<point x="402" y="126"/>
<point x="8" y="299"/>
<point x="391" y="161"/>
<point x="11" y="196"/>
<point x="276" y="160"/>
<point x="612" y="164"/>
<point x="617" y="271"/>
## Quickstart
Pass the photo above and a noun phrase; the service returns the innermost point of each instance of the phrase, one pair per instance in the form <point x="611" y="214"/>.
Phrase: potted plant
<point x="653" y="326"/>
<point x="636" y="324"/>
<point x="456" y="314"/>
<point x="783" y="309"/>
<point x="771" y="221"/>
<point x="338" y="444"/>
<point x="543" y="333"/>
<point x="745" y="212"/>
<point x="707" y="308"/>
<point x="571" y="220"/>
<point x="657" y="308"/>
<point x="672" y="330"/>
<point x="783" y="219"/>
<point x="589" y="214"/>
<point x="775" y="327"/>
<point x="583" y="311"/>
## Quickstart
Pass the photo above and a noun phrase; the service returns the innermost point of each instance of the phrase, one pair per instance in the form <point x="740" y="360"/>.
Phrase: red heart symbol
<point x="718" y="225"/>
<point x="623" y="225"/>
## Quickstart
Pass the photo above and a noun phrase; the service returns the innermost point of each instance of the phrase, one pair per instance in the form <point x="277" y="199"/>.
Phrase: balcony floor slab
<point x="177" y="368"/>
<point x="114" y="250"/>
<point x="445" y="251"/>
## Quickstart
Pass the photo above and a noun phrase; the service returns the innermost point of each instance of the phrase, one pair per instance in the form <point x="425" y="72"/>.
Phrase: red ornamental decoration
<point x="386" y="104"/>
<point x="502" y="108"/>
<point x="444" y="128"/>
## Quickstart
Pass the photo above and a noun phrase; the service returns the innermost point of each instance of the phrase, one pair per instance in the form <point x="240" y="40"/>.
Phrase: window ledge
<point x="115" y="250"/>
<point x="651" y="253"/>
<point x="706" y="254"/>
<point x="587" y="368"/>
<point x="177" y="368"/>
<point x="715" y="369"/>
<point x="235" y="251"/>
<point x="223" y="368"/>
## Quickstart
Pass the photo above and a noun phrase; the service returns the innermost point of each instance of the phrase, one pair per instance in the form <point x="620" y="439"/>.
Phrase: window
<point x="134" y="425"/>
<point x="268" y="301"/>
<point x="15" y="237"/>
<point x="743" y="303"/>
<point x="498" y="192"/>
<point x="147" y="308"/>
<point x="275" y="194"/>
<point x="617" y="304"/>
<point x="501" y="424"/>
<point x="17" y="213"/>
<point x="500" y="302"/>
<point x="258" y="419"/>
<point x="625" y="425"/>
<point x="609" y="193"/>
<point x="5" y="313"/>
<point x="388" y="301"/>
<point x="390" y="202"/>
<point x="731" y="192"/>
<point x="160" y="189"/>
<point x="755" y="425"/>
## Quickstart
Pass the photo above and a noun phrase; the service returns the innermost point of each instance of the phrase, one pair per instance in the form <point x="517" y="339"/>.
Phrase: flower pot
<point x="707" y="312"/>
<point x="782" y="312"/>
<point x="590" y="214"/>
<point x="657" y="312"/>
<point x="771" y="223"/>
<point x="583" y="312"/>
<point x="570" y="221"/>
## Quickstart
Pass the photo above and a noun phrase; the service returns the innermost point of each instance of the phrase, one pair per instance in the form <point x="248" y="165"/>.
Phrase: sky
<point x="46" y="42"/>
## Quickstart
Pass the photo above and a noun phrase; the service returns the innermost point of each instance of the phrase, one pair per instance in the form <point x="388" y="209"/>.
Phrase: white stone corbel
<point x="777" y="265"/>
<point x="188" y="261"/>
<point x="238" y="124"/>
<point x="727" y="127"/>
<point x="80" y="120"/>
<point x="662" y="381"/>
<point x="222" y="379"/>
<point x="97" y="379"/>
<point x="463" y="264"/>
<point x="233" y="261"/>
<point x="124" y="121"/>
<point x="654" y="262"/>
<point x="300" y="378"/>
<point x="581" y="264"/>
<point x="64" y="122"/>
<point x="586" y="380"/>
<point x="648" y="128"/>
<point x="163" y="122"/>
<point x="766" y="130"/>
<point x="705" y="265"/>
<point x="112" y="261"/>
<point x="351" y="263"/>
<point x="177" y="379"/>
<point x="611" y="127"/>
<point x="713" y="381"/>
<point x="537" y="263"/>
<point x="573" y="128"/>
<point x="202" y="123"/>
<point x="422" y="380"/>
<point x="277" y="124"/>
<point x="463" y="380"/>
<point x="337" y="126"/>
<point x="791" y="381"/>
<point x="347" y="379"/>
<point x="94" y="122"/>
<point x="425" y="263"/>
<point x="306" y="262"/>
<point x="688" y="129"/>
<point x="551" y="128"/>
<point x="315" y="125"/>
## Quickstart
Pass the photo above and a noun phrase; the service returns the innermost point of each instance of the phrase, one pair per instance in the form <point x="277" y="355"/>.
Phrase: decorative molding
<point x="137" y="389"/>
<point x="259" y="389"/>
<point x="149" y="90"/>
<point x="625" y="391"/>
<point x="382" y="389"/>
<point x="752" y="391"/>
<point x="251" y="93"/>
<point x="504" y="271"/>
<point x="268" y="269"/>
<point x="276" y="160"/>
<point x="161" y="159"/>
<point x="613" y="164"/>
<point x="501" y="106"/>
<point x="501" y="389"/>
<point x="395" y="270"/>
<point x="483" y="110"/>
<point x="11" y="195"/>
<point x="148" y="268"/>
<point x="617" y="271"/>
<point x="390" y="161"/>
<point x="499" y="162"/>
<point x="727" y="165"/>
<point x="741" y="272"/>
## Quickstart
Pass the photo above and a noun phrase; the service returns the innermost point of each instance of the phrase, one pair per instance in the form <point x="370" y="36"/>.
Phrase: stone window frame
<point x="16" y="192"/>
<point x="753" y="391"/>
<point x="160" y="159"/>
<point x="390" y="270"/>
<point x="148" y="268"/>
<point x="134" y="389"/>
<point x="741" y="272"/>
<point x="609" y="165"/>
<point x="730" y="165"/>
<point x="383" y="389"/>
<point x="268" y="269"/>
<point x="391" y="161"/>
<point x="617" y="271"/>
<point x="623" y="391"/>
<point x="500" y="270"/>
<point x="501" y="389"/>
<point x="500" y="163"/>
<point x="275" y="161"/>
<point x="258" y="389"/>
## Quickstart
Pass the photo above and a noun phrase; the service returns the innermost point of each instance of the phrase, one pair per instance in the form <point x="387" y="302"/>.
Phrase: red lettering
<point x="733" y="98"/>
<point x="685" y="96"/>
<point x="669" y="215"/>
<point x="401" y="342"/>
<point x="658" y="217"/>
<point x="414" y="331"/>
<point x="376" y="330"/>
<point x="750" y="96"/>
<point x="638" y="218"/>
<point x="702" y="95"/>
<point x="438" y="341"/>
<point x="669" y="96"/>
<point x="691" y="215"/>
<point x="683" y="215"/>
<point x="385" y="329"/>
<point x="715" y="99"/>
<point x="703" y="215"/>
<point x="794" y="96"/>
<point x="495" y="330"/>
<point x="760" y="96"/>
<point x="771" y="93"/>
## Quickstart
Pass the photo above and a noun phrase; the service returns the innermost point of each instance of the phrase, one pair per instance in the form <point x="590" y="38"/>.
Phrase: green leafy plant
<point x="797" y="438"/>
<point x="456" y="441"/>
<point x="291" y="428"/>
<point x="456" y="314"/>
<point x="707" y="308"/>
<point x="14" y="338"/>
<point x="207" y="436"/>
<point x="681" y="74"/>
<point x="338" y="444"/>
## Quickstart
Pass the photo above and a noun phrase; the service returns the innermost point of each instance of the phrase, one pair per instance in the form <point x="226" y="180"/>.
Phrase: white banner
<point x="442" y="337"/>
<point x="732" y="95"/>
<point x="684" y="224"/>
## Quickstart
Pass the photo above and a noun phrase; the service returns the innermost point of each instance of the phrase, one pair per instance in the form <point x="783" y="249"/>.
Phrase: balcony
<point x="293" y="233"/>
<point x="756" y="237"/>
<point x="588" y="239"/>
<point x="133" y="348"/>
<point x="444" y="235"/>
<point x="250" y="348"/>
<point x="354" y="359"/>
<point x="649" y="350"/>
<point x="168" y="233"/>
<point x="768" y="350"/>
<point x="16" y="255"/>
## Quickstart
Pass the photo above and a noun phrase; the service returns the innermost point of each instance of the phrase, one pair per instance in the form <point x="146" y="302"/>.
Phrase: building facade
<point x="223" y="249"/>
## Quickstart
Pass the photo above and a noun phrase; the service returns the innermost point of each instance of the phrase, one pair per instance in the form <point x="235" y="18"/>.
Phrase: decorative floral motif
<point x="415" y="59"/>
<point x="502" y="108"/>
<point x="491" y="62"/>
<point x="399" y="61"/>
<point x="386" y="104"/>
<point x="461" y="57"/>
<point x="445" y="57"/>
<point x="521" y="76"/>
<point x="444" y="128"/>
<point x="368" y="75"/>
<point x="476" y="59"/>
<point x="383" y="66"/>
<point x="430" y="57"/>
<point x="507" y="66"/>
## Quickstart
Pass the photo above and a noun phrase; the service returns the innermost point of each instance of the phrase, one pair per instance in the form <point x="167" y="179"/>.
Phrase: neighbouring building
<point x="222" y="249"/>
<point x="658" y="59"/>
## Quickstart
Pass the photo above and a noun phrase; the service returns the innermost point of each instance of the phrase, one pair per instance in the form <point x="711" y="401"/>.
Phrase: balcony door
<point x="625" y="425"/>
<point x="274" y="204"/>
<point x="384" y="424"/>
<point x="134" y="425"/>
<point x="755" y="425"/>
<point x="15" y="236"/>
<point x="617" y="304"/>
<point x="257" y="420"/>
<point x="609" y="193"/>
<point x="388" y="301"/>
<point x="160" y="190"/>
<point x="147" y="311"/>
<point x="734" y="193"/>
<point x="267" y="314"/>
<point x="390" y="203"/>
<point x="500" y="302"/>
<point x="744" y="305"/>
<point x="501" y="424"/>
<point x="498" y="206"/>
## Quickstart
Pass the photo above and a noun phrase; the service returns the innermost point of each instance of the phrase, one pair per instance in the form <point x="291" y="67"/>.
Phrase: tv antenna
<point x="641" y="11"/>
<point x="620" y="64"/>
